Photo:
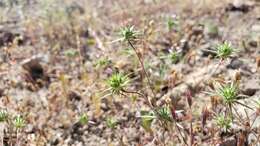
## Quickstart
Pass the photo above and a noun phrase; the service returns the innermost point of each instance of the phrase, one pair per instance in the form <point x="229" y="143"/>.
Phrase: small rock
<point x="235" y="64"/>
<point x="250" y="87"/>
<point x="7" y="37"/>
<point x="74" y="96"/>
<point x="55" y="141"/>
<point x="252" y="138"/>
<point x="105" y="104"/>
<point x="1" y="92"/>
<point x="252" y="43"/>
<point x="241" y="8"/>
<point x="229" y="142"/>
<point x="34" y="71"/>
<point x="256" y="28"/>
<point x="249" y="91"/>
<point x="183" y="47"/>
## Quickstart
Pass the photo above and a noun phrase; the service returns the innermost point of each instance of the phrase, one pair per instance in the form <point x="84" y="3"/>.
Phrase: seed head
<point x="228" y="93"/>
<point x="128" y="33"/>
<point x="225" y="50"/>
<point x="165" y="113"/>
<point x="174" y="56"/>
<point x="117" y="82"/>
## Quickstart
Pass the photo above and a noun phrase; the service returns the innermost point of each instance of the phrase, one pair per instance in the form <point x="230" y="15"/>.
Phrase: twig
<point x="191" y="131"/>
<point x="179" y="131"/>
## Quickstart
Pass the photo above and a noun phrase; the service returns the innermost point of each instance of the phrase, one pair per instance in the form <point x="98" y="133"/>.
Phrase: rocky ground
<point x="55" y="58"/>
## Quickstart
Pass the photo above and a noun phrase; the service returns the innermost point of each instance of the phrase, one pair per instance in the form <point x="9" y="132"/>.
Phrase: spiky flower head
<point x="128" y="33"/>
<point x="117" y="82"/>
<point x="225" y="50"/>
<point x="175" y="56"/>
<point x="228" y="92"/>
<point x="165" y="113"/>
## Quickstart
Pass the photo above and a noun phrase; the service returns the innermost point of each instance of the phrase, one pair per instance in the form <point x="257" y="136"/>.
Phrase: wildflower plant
<point x="164" y="113"/>
<point x="147" y="119"/>
<point x="3" y="116"/>
<point x="170" y="24"/>
<point x="102" y="62"/>
<point x="19" y="122"/>
<point x="71" y="53"/>
<point x="229" y="93"/>
<point x="224" y="50"/>
<point x="111" y="122"/>
<point x="128" y="33"/>
<point x="174" y="56"/>
<point x="117" y="82"/>
<point x="83" y="119"/>
<point x="223" y="122"/>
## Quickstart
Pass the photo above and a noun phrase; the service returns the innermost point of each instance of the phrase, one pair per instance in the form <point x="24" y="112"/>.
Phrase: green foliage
<point x="170" y="24"/>
<point x="228" y="93"/>
<point x="162" y="70"/>
<point x="117" y="82"/>
<point x="258" y="103"/>
<point x="147" y="119"/>
<point x="211" y="29"/>
<point x="71" y="53"/>
<point x="19" y="122"/>
<point x="83" y="119"/>
<point x="174" y="57"/>
<point x="111" y="122"/>
<point x="164" y="113"/>
<point x="3" y="116"/>
<point x="223" y="122"/>
<point x="128" y="33"/>
<point x="91" y="41"/>
<point x="225" y="50"/>
<point x="134" y="98"/>
<point x="102" y="62"/>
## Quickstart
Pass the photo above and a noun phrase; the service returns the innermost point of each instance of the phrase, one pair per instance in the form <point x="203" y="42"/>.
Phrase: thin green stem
<point x="244" y="105"/>
<point x="143" y="68"/>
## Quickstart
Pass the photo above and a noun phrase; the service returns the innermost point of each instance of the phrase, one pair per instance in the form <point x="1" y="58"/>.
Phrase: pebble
<point x="235" y="64"/>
